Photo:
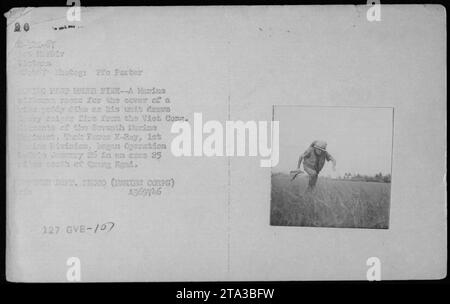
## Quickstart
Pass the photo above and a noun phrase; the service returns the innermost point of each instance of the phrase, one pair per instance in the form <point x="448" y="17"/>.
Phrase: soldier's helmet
<point x="320" y="144"/>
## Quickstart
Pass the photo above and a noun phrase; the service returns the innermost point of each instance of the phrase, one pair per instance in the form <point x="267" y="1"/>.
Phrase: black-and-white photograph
<point x="334" y="169"/>
<point x="225" y="143"/>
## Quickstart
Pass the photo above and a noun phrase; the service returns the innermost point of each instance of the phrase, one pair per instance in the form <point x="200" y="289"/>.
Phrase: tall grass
<point x="333" y="203"/>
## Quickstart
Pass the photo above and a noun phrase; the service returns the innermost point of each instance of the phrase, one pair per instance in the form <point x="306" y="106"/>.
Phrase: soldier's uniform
<point x="313" y="162"/>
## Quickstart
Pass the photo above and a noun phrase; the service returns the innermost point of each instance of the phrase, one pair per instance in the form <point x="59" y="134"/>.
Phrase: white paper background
<point x="238" y="62"/>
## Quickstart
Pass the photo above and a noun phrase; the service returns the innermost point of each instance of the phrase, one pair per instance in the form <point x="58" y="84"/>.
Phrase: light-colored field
<point x="334" y="203"/>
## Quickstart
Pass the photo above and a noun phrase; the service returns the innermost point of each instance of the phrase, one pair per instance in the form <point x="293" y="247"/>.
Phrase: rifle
<point x="295" y="172"/>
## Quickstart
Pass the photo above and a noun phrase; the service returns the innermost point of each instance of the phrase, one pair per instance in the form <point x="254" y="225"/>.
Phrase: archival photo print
<point x="334" y="168"/>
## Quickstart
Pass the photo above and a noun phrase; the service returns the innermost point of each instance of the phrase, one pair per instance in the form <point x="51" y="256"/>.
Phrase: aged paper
<point x="103" y="185"/>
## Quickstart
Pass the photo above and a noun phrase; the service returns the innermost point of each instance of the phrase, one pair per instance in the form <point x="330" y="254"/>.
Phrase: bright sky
<point x="360" y="139"/>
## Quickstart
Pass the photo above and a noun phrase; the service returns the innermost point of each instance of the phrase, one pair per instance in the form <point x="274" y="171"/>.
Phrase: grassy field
<point x="334" y="203"/>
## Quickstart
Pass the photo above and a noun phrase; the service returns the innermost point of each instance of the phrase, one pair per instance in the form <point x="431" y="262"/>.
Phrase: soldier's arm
<point x="305" y="154"/>
<point x="300" y="159"/>
<point x="331" y="158"/>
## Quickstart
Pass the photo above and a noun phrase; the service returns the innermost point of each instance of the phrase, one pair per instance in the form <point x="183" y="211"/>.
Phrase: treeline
<point x="380" y="178"/>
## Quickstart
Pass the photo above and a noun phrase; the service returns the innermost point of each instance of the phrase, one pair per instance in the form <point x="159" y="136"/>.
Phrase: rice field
<point x="333" y="203"/>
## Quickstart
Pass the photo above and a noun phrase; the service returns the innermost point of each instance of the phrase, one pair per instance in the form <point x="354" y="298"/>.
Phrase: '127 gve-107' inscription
<point x="78" y="229"/>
